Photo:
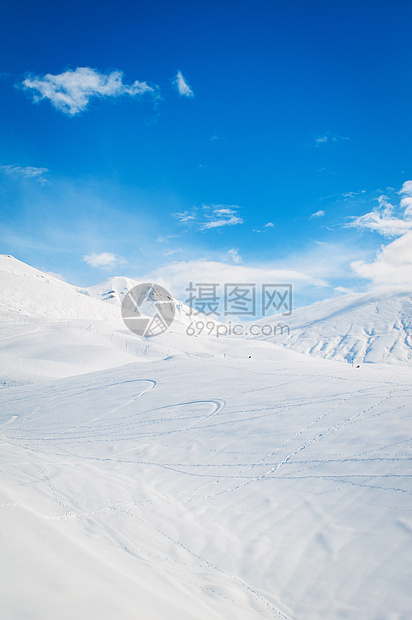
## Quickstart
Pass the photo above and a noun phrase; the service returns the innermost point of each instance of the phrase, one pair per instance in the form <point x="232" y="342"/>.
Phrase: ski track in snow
<point x="48" y="434"/>
<point x="152" y="385"/>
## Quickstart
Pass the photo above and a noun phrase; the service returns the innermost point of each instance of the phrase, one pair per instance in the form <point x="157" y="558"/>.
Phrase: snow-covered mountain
<point x="372" y="327"/>
<point x="356" y="328"/>
<point x="33" y="293"/>
<point x="112" y="290"/>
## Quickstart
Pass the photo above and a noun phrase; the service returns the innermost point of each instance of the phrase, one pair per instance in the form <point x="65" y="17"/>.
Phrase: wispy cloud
<point x="26" y="172"/>
<point x="384" y="218"/>
<point x="386" y="226"/>
<point x="353" y="194"/>
<point x="329" y="138"/>
<point x="230" y="221"/>
<point x="221" y="215"/>
<point x="319" y="213"/>
<point x="104" y="260"/>
<point x="184" y="217"/>
<point x="182" y="86"/>
<point x="71" y="91"/>
<point x="210" y="216"/>
<point x="224" y="211"/>
<point x="269" y="225"/>
<point x="172" y="252"/>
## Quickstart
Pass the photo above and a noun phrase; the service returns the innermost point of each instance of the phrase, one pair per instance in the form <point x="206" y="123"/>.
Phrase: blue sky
<point x="194" y="141"/>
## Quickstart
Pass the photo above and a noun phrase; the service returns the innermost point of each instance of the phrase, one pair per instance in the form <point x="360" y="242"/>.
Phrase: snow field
<point x="193" y="478"/>
<point x="206" y="488"/>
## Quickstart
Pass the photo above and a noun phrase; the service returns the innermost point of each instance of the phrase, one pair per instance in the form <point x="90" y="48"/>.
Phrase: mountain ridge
<point x="372" y="327"/>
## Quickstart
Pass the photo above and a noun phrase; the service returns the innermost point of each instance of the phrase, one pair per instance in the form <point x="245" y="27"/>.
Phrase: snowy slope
<point x="372" y="327"/>
<point x="200" y="489"/>
<point x="30" y="292"/>
<point x="196" y="478"/>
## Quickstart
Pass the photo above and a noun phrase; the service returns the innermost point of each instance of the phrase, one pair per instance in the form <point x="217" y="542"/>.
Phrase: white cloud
<point x="220" y="215"/>
<point x="210" y="216"/>
<point x="104" y="260"/>
<point x="182" y="86"/>
<point x="71" y="91"/>
<point x="224" y="211"/>
<point x="388" y="227"/>
<point x="383" y="219"/>
<point x="406" y="188"/>
<point x="392" y="266"/>
<point x="234" y="256"/>
<point x="393" y="262"/>
<point x="319" y="213"/>
<point x="27" y="172"/>
<point x="406" y="202"/>
<point x="176" y="277"/>
<point x="227" y="221"/>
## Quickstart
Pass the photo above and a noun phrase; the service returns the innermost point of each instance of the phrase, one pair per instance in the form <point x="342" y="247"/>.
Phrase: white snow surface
<point x="372" y="327"/>
<point x="179" y="478"/>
